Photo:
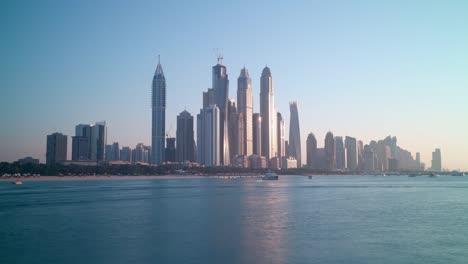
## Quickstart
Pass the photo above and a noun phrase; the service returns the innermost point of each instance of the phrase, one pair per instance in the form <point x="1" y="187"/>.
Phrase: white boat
<point x="18" y="182"/>
<point x="270" y="176"/>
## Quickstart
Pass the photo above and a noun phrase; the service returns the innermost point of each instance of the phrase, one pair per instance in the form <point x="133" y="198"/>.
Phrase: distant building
<point x="290" y="163"/>
<point x="233" y="128"/>
<point x="295" y="134"/>
<point x="257" y="134"/>
<point x="92" y="135"/>
<point x="220" y="85"/>
<point x="141" y="154"/>
<point x="208" y="136"/>
<point x="170" y="151"/>
<point x="311" y="146"/>
<point x="245" y="110"/>
<point x="322" y="159"/>
<point x="369" y="159"/>
<point x="330" y="151"/>
<point x="340" y="153"/>
<point x="240" y="161"/>
<point x="436" y="161"/>
<point x="56" y="148"/>
<point x="158" y="123"/>
<point x="126" y="154"/>
<point x="115" y="151"/>
<point x="257" y="162"/>
<point x="392" y="164"/>
<point x="108" y="152"/>
<point x="185" y="150"/>
<point x="351" y="153"/>
<point x="269" y="114"/>
<point x="281" y="136"/>
<point x="28" y="160"/>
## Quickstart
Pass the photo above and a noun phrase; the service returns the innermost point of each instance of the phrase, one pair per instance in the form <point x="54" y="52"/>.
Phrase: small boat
<point x="18" y="182"/>
<point x="456" y="173"/>
<point x="412" y="175"/>
<point x="310" y="177"/>
<point x="432" y="175"/>
<point x="270" y="176"/>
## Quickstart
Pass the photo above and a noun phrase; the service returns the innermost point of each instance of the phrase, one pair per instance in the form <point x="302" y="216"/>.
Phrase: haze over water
<point x="328" y="219"/>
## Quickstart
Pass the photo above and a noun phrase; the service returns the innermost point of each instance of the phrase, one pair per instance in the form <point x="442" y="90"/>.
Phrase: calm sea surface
<point x="328" y="219"/>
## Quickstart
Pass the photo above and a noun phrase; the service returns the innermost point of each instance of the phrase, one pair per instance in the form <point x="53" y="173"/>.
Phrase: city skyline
<point x="426" y="129"/>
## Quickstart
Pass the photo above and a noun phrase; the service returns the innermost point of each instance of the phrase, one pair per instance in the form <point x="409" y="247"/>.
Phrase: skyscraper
<point x="115" y="151"/>
<point x="340" y="153"/>
<point x="233" y="128"/>
<point x="369" y="159"/>
<point x="295" y="133"/>
<point x="437" y="160"/>
<point x="126" y="154"/>
<point x="208" y="136"/>
<point x="257" y="134"/>
<point x="268" y="114"/>
<point x="170" y="151"/>
<point x="245" y="108"/>
<point x="221" y="92"/>
<point x="158" y="116"/>
<point x="330" y="154"/>
<point x="311" y="152"/>
<point x="89" y="142"/>
<point x="185" y="150"/>
<point x="56" y="148"/>
<point x="281" y="136"/>
<point x="351" y="153"/>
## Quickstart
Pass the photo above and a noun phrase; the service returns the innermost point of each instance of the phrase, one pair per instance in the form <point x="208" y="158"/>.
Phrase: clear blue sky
<point x="360" y="68"/>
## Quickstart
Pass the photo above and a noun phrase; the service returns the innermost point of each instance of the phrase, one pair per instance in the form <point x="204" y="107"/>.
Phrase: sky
<point x="365" y="69"/>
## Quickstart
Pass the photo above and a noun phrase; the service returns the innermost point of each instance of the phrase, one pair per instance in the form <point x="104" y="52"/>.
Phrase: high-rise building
<point x="158" y="116"/>
<point x="89" y="142"/>
<point x="311" y="151"/>
<point x="437" y="160"/>
<point x="126" y="154"/>
<point x="268" y="114"/>
<point x="115" y="151"/>
<point x="245" y="110"/>
<point x="56" y="148"/>
<point x="295" y="133"/>
<point x="141" y="154"/>
<point x="369" y="159"/>
<point x="108" y="152"/>
<point x="340" y="153"/>
<point x="233" y="128"/>
<point x="221" y="92"/>
<point x="360" y="149"/>
<point x="257" y="134"/>
<point x="208" y="98"/>
<point x="208" y="136"/>
<point x="185" y="150"/>
<point x="281" y="136"/>
<point x="351" y="154"/>
<point x="418" y="161"/>
<point x="330" y="151"/>
<point x="170" y="151"/>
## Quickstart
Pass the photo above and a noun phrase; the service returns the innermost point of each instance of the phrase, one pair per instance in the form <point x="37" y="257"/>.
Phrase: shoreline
<point x="121" y="177"/>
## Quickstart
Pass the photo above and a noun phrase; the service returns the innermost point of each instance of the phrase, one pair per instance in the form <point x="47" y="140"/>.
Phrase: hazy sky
<point x="366" y="69"/>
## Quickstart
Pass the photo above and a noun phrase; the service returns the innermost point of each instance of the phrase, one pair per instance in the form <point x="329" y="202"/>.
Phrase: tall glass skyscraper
<point x="245" y="108"/>
<point x="268" y="114"/>
<point x="158" y="116"/>
<point x="295" y="133"/>
<point x="221" y="93"/>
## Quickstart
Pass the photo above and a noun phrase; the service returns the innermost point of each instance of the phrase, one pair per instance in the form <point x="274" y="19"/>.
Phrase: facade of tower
<point x="257" y="134"/>
<point x="437" y="160"/>
<point x="56" y="148"/>
<point x="185" y="144"/>
<point x="245" y="109"/>
<point x="158" y="104"/>
<point x="330" y="154"/>
<point x="340" y="153"/>
<point x="351" y="153"/>
<point x="89" y="142"/>
<point x="220" y="87"/>
<point x="208" y="136"/>
<point x="233" y="128"/>
<point x="268" y="114"/>
<point x="311" y="151"/>
<point x="295" y="133"/>
<point x="281" y="136"/>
